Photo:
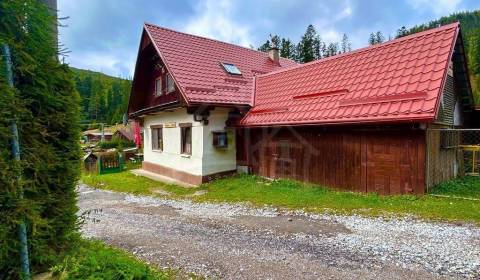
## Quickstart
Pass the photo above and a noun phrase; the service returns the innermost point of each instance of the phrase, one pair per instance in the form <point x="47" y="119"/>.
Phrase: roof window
<point x="231" y="69"/>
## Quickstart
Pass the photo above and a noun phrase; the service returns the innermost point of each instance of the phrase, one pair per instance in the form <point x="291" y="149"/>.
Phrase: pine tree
<point x="306" y="46"/>
<point x="318" y="47"/>
<point x="402" y="31"/>
<point x="372" y="40"/>
<point x="376" y="38"/>
<point x="346" y="46"/>
<point x="45" y="106"/>
<point x="379" y="38"/>
<point x="275" y="41"/>
<point x="287" y="49"/>
<point x="265" y="47"/>
<point x="332" y="49"/>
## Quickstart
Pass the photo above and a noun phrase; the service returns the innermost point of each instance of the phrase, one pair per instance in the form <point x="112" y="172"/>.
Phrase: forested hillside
<point x="104" y="98"/>
<point x="470" y="27"/>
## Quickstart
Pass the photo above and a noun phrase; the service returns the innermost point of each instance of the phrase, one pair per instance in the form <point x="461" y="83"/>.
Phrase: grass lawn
<point x="465" y="187"/>
<point x="295" y="195"/>
<point x="95" y="260"/>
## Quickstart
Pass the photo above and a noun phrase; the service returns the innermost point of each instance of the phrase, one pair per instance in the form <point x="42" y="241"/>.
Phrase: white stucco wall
<point x="205" y="158"/>
<point x="217" y="160"/>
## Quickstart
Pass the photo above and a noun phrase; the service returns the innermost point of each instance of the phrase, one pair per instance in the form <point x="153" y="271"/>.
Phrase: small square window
<point x="231" y="69"/>
<point x="158" y="86"/>
<point x="220" y="139"/>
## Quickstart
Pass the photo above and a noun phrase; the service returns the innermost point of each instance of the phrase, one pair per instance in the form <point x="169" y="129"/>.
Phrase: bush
<point x="94" y="260"/>
<point x="116" y="142"/>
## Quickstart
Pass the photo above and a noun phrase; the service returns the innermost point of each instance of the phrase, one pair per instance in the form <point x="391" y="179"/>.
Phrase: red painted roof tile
<point x="394" y="81"/>
<point x="195" y="64"/>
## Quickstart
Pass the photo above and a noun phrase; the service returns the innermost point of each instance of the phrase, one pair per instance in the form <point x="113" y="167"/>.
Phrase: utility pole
<point x="22" y="228"/>
<point x="102" y="139"/>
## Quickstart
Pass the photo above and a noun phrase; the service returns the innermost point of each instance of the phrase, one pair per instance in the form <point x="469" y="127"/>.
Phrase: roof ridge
<point x="367" y="48"/>
<point x="210" y="39"/>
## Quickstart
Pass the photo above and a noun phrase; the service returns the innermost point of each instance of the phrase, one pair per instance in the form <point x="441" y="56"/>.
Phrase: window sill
<point x="157" y="151"/>
<point x="185" y="155"/>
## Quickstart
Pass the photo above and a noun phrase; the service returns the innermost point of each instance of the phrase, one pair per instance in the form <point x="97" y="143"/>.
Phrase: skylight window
<point x="231" y="69"/>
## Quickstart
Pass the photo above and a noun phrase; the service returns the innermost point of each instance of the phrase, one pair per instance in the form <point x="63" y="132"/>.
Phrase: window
<point x="186" y="138"/>
<point x="170" y="83"/>
<point x="231" y="69"/>
<point x="158" y="86"/>
<point x="157" y="137"/>
<point x="220" y="139"/>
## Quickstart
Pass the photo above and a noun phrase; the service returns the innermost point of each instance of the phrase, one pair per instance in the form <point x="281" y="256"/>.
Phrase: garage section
<point x="368" y="160"/>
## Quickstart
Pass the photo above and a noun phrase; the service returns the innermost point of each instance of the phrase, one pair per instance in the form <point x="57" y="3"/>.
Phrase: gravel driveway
<point x="234" y="241"/>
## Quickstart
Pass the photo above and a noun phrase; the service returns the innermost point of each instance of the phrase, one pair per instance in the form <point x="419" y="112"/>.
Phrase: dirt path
<point x="239" y="242"/>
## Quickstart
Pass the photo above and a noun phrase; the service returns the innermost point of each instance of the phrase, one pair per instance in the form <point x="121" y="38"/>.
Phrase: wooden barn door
<point x="393" y="164"/>
<point x="283" y="163"/>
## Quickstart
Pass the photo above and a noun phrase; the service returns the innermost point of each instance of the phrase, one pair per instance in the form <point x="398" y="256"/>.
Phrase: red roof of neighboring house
<point x="195" y="65"/>
<point x="127" y="132"/>
<point x="398" y="80"/>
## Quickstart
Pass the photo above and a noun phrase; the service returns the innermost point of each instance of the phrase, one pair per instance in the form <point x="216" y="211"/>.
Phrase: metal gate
<point x="451" y="153"/>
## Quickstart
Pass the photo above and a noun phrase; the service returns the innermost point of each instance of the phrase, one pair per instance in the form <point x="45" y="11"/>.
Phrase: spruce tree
<point x="402" y="31"/>
<point x="372" y="40"/>
<point x="306" y="46"/>
<point x="265" y="46"/>
<point x="45" y="106"/>
<point x="275" y="41"/>
<point x="332" y="49"/>
<point x="346" y="46"/>
<point x="379" y="38"/>
<point x="287" y="49"/>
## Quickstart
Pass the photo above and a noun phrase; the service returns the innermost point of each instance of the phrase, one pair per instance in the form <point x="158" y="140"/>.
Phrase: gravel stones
<point x="237" y="241"/>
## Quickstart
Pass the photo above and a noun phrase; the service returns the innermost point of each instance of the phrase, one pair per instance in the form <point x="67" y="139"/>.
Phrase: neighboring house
<point x="354" y="121"/>
<point x="93" y="136"/>
<point x="125" y="133"/>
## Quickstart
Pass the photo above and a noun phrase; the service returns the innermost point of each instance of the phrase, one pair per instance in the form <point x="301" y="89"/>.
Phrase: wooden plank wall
<point x="442" y="162"/>
<point x="386" y="162"/>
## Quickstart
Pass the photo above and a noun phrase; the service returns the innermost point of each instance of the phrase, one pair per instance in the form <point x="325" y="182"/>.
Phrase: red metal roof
<point x="195" y="65"/>
<point x="398" y="80"/>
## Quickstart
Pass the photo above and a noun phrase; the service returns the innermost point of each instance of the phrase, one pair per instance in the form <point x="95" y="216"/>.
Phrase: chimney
<point x="274" y="55"/>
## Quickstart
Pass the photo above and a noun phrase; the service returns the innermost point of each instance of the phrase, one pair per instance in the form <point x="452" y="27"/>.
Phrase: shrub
<point x="94" y="260"/>
<point x="116" y="142"/>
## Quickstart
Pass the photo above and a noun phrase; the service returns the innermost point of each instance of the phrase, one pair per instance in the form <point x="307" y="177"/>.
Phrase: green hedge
<point x="116" y="142"/>
<point x="45" y="106"/>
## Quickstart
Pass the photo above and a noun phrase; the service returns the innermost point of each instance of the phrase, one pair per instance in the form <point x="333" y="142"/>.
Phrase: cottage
<point x="95" y="136"/>
<point x="125" y="134"/>
<point x="355" y="121"/>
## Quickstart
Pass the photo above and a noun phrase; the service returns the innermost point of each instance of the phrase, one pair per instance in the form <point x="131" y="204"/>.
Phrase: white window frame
<point x="170" y="83"/>
<point x="156" y="138"/>
<point x="157" y="93"/>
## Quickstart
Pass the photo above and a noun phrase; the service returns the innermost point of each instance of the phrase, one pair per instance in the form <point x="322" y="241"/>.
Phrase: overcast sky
<point x="103" y="35"/>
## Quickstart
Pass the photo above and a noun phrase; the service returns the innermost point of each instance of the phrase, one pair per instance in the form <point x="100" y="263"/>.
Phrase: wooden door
<point x="392" y="164"/>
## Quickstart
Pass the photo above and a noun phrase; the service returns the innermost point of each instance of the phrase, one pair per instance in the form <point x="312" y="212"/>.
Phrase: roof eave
<point x="425" y="119"/>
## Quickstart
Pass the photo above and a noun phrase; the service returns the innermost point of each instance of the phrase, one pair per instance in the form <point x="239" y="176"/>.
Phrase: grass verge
<point x="295" y="195"/>
<point x="95" y="260"/>
<point x="463" y="187"/>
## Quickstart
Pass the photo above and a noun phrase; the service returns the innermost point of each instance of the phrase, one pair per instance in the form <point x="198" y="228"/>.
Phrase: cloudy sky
<point x="103" y="35"/>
